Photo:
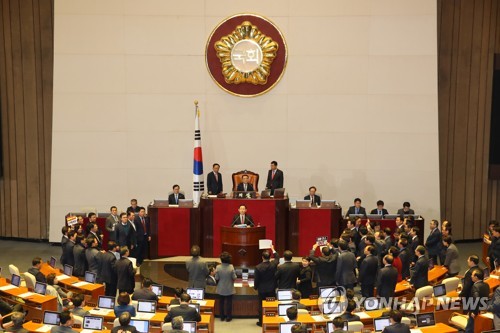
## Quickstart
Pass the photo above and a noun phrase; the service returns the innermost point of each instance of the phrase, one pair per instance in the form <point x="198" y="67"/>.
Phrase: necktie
<point x="176" y="199"/>
<point x="242" y="219"/>
<point x="272" y="177"/>
<point x="216" y="177"/>
<point x="379" y="212"/>
<point x="245" y="187"/>
<point x="143" y="224"/>
<point x="312" y="199"/>
<point x="356" y="210"/>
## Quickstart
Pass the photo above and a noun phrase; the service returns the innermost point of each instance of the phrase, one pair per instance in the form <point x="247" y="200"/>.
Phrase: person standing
<point x="225" y="275"/>
<point x="419" y="276"/>
<point x="197" y="269"/>
<point x="434" y="242"/>
<point x="451" y="260"/>
<point x="79" y="257"/>
<point x="111" y="221"/>
<point x="368" y="271"/>
<point x="288" y="272"/>
<point x="346" y="267"/>
<point x="125" y="234"/>
<point x="387" y="280"/>
<point x="304" y="282"/>
<point x="275" y="178"/>
<point x="141" y="223"/>
<point x="125" y="272"/>
<point x="264" y="282"/>
<point x="107" y="269"/>
<point x="480" y="291"/>
<point x="326" y="265"/>
<point x="91" y="254"/>
<point x="214" y="180"/>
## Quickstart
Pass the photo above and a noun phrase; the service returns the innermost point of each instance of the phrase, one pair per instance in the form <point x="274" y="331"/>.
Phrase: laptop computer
<point x="283" y="307"/>
<point x="439" y="290"/>
<point x="331" y="329"/>
<point x="328" y="292"/>
<point x="196" y="306"/>
<point x="352" y="217"/>
<point x="40" y="288"/>
<point x="374" y="216"/>
<point x="92" y="323"/>
<point x="50" y="319"/>
<point x="332" y="308"/>
<point x="52" y="262"/>
<point x="186" y="203"/>
<point x="90" y="277"/>
<point x="157" y="289"/>
<point x="371" y="303"/>
<point x="380" y="323"/>
<point x="328" y="203"/>
<point x="302" y="204"/>
<point x="284" y="295"/>
<point x="287" y="327"/>
<point x="146" y="309"/>
<point x="279" y="193"/>
<point x="197" y="294"/>
<point x="68" y="270"/>
<point x="425" y="319"/>
<point x="391" y="216"/>
<point x="106" y="302"/>
<point x="189" y="326"/>
<point x="160" y="203"/>
<point x="15" y="280"/>
<point x="265" y="194"/>
<point x="142" y="326"/>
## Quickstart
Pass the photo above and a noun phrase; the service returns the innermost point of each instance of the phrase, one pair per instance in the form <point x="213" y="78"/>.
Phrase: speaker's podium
<point x="242" y="244"/>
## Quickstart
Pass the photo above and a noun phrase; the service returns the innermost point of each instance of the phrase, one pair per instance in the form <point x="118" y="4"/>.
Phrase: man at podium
<point x="242" y="220"/>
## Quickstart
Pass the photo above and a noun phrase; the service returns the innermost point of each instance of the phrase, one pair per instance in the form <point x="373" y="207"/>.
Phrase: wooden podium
<point x="242" y="244"/>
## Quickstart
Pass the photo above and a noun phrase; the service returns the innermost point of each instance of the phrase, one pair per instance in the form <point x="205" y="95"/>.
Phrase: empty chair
<point x="451" y="283"/>
<point x="458" y="320"/>
<point x="420" y="294"/>
<point x="355" y="326"/>
<point x="30" y="280"/>
<point x="406" y="320"/>
<point x="14" y="270"/>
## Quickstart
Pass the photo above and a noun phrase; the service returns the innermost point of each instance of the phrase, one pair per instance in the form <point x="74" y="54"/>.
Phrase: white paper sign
<point x="265" y="244"/>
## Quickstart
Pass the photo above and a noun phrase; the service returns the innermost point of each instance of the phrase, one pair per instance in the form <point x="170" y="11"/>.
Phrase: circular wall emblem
<point x="246" y="55"/>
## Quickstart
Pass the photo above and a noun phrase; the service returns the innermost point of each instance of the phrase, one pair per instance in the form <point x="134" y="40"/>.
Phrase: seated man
<point x="380" y="210"/>
<point x="173" y="199"/>
<point x="315" y="199"/>
<point x="338" y="325"/>
<point x="292" y="314"/>
<point x="348" y="314"/>
<point x="184" y="310"/>
<point x="66" y="322"/>
<point x="296" y="296"/>
<point x="356" y="209"/>
<point x="245" y="186"/>
<point x="396" y="325"/>
<point x="177" y="325"/>
<point x="35" y="270"/>
<point x="6" y="308"/>
<point x="79" y="304"/>
<point x="17" y="319"/>
<point x="406" y="209"/>
<point x="242" y="218"/>
<point x="299" y="328"/>
<point x="145" y="292"/>
<point x="125" y="327"/>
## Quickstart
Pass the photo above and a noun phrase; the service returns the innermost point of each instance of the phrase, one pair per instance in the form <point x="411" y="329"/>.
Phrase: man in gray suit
<point x="197" y="269"/>
<point x="396" y="325"/>
<point x="66" y="321"/>
<point x="111" y="222"/>
<point x="346" y="267"/>
<point x="451" y="260"/>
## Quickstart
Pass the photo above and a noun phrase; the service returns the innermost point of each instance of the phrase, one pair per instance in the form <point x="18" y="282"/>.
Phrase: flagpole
<point x="198" y="179"/>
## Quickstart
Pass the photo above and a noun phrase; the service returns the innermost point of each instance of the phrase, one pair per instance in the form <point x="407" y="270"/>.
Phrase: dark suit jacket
<point x="413" y="246"/>
<point x="433" y="243"/>
<point x="405" y="257"/>
<point x="125" y="273"/>
<point x="37" y="274"/>
<point x="276" y="182"/>
<point x="375" y="211"/>
<point x="80" y="261"/>
<point x="317" y="199"/>
<point x="419" y="273"/>
<point x="107" y="268"/>
<point x="210" y="281"/>
<point x="139" y="229"/>
<point x="213" y="186"/>
<point x="326" y="268"/>
<point x="265" y="273"/>
<point x="67" y="256"/>
<point x="467" y="283"/>
<point x="185" y="311"/>
<point x="197" y="272"/>
<point x="346" y="269"/>
<point x="352" y="210"/>
<point x="397" y="328"/>
<point x="451" y="260"/>
<point x="368" y="271"/>
<point x="240" y="187"/>
<point x="287" y="274"/>
<point x="480" y="289"/>
<point x="237" y="220"/>
<point x="409" y="212"/>
<point x="171" y="198"/>
<point x="124" y="238"/>
<point x="144" y="293"/>
<point x="349" y="317"/>
<point x="387" y="280"/>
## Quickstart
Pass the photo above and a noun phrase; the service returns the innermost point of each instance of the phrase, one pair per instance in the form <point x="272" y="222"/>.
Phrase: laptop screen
<point x="196" y="306"/>
<point x="196" y="294"/>
<point x="68" y="270"/>
<point x="15" y="280"/>
<point x="157" y="289"/>
<point x="92" y="323"/>
<point x="283" y="307"/>
<point x="287" y="327"/>
<point x="439" y="290"/>
<point x="326" y="292"/>
<point x="52" y="262"/>
<point x="189" y="326"/>
<point x="40" y="288"/>
<point x="425" y="319"/>
<point x="106" y="302"/>
<point x="284" y="295"/>
<point x="371" y="303"/>
<point x="381" y="323"/>
<point x="146" y="306"/>
<point x="51" y="318"/>
<point x="90" y="277"/>
<point x="141" y="326"/>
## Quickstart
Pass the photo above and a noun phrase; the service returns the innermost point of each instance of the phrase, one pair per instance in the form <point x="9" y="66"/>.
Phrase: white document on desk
<point x="80" y="284"/>
<point x="319" y="318"/>
<point x="62" y="277"/>
<point x="362" y="315"/>
<point x="7" y="287"/>
<point x="265" y="244"/>
<point x="28" y="294"/>
<point x="415" y="330"/>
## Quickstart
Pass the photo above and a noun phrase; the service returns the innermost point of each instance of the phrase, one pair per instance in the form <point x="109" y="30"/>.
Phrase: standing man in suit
<point x="275" y="178"/>
<point x="451" y="259"/>
<point x="433" y="242"/>
<point x="125" y="272"/>
<point x="396" y="325"/>
<point x="404" y="255"/>
<point x="197" y="269"/>
<point x="356" y="209"/>
<point x="380" y="210"/>
<point x="94" y="232"/>
<point x="326" y="266"/>
<point x="415" y="242"/>
<point x="287" y="274"/>
<point x="69" y="259"/>
<point x="245" y="186"/>
<point x="142" y="229"/>
<point x="91" y="254"/>
<point x="173" y="199"/>
<point x="420" y="271"/>
<point x="387" y="279"/>
<point x="368" y="271"/>
<point x="264" y="282"/>
<point x="346" y="267"/>
<point x="242" y="218"/>
<point x="399" y="224"/>
<point x="312" y="197"/>
<point x="214" y="180"/>
<point x="111" y="221"/>
<point x="480" y="292"/>
<point x="406" y="210"/>
<point x="107" y="269"/>
<point x="133" y="206"/>
<point x="125" y="231"/>
<point x="472" y="262"/>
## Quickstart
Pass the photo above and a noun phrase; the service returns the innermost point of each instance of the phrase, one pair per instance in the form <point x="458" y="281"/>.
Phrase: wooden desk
<point x="272" y="306"/>
<point x="32" y="327"/>
<point x="436" y="273"/>
<point x="209" y="306"/>
<point x="438" y="328"/>
<point x="482" y="323"/>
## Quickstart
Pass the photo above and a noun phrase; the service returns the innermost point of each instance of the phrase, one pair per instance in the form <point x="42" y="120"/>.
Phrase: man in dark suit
<point x="107" y="268"/>
<point x="420" y="271"/>
<point x="242" y="218"/>
<point x="214" y="181"/>
<point x="433" y="242"/>
<point x="142" y="229"/>
<point x="387" y="279"/>
<point x="480" y="292"/>
<point x="356" y="209"/>
<point x="312" y="197"/>
<point x="245" y="186"/>
<point x="264" y="282"/>
<point x="396" y="326"/>
<point x="415" y="242"/>
<point x="287" y="274"/>
<point x="326" y="266"/>
<point x="173" y="199"/>
<point x="368" y="271"/>
<point x="380" y="210"/>
<point x="406" y="210"/>
<point x="404" y="255"/>
<point x="145" y="292"/>
<point x="68" y="257"/>
<point x="125" y="234"/>
<point x="125" y="272"/>
<point x="354" y="228"/>
<point x="345" y="274"/>
<point x="133" y="206"/>
<point x="197" y="269"/>
<point x="184" y="310"/>
<point x="111" y="221"/>
<point x="348" y="315"/>
<point x="472" y="262"/>
<point x="275" y="178"/>
<point x="94" y="232"/>
<point x="451" y="259"/>
<point x="35" y="270"/>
